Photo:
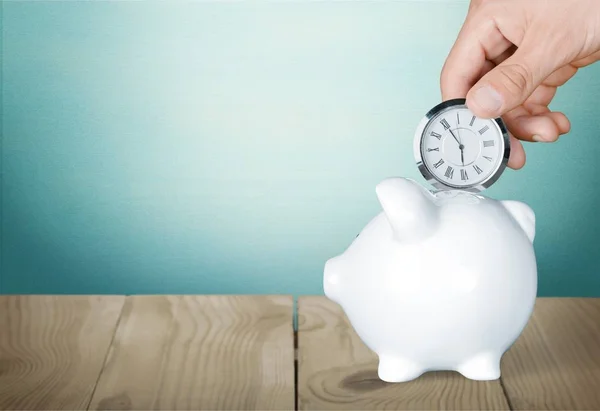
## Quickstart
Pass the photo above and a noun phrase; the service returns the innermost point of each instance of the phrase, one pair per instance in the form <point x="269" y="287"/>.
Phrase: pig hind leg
<point x="481" y="367"/>
<point x="397" y="369"/>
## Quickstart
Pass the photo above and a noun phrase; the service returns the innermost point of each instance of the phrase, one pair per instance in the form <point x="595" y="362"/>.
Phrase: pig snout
<point x="331" y="279"/>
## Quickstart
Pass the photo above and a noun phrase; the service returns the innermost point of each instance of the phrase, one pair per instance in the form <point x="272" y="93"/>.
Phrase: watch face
<point x="456" y="149"/>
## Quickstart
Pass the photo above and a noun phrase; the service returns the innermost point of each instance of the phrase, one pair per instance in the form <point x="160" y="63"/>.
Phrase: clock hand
<point x="462" y="148"/>
<point x="454" y="136"/>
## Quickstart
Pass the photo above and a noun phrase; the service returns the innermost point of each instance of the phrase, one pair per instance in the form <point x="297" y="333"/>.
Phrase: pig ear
<point x="524" y="216"/>
<point x="409" y="208"/>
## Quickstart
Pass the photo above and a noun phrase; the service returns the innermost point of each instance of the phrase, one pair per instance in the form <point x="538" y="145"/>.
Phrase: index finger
<point x="478" y="43"/>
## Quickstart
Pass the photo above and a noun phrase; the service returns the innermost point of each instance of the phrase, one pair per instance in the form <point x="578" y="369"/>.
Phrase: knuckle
<point x="516" y="78"/>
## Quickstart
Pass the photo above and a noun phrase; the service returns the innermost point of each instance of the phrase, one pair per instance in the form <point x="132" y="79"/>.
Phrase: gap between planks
<point x="211" y="352"/>
<point x="112" y="340"/>
<point x="52" y="349"/>
<point x="553" y="365"/>
<point x="295" y="345"/>
<point x="203" y="352"/>
<point x="338" y="371"/>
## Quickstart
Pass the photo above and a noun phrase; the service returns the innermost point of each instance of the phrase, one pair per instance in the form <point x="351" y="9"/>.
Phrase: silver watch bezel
<point x="430" y="177"/>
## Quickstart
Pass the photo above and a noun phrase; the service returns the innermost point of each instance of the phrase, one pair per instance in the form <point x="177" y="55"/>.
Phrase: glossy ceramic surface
<point x="438" y="281"/>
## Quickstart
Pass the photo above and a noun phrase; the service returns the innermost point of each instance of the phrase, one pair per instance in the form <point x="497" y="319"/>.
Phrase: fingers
<point x="537" y="123"/>
<point x="561" y="76"/>
<point x="523" y="126"/>
<point x="517" y="157"/>
<point x="509" y="84"/>
<point x="503" y="56"/>
<point x="586" y="61"/>
<point x="542" y="96"/>
<point x="462" y="68"/>
<point x="469" y="59"/>
<point x="560" y="119"/>
<point x="540" y="128"/>
<point x="533" y="121"/>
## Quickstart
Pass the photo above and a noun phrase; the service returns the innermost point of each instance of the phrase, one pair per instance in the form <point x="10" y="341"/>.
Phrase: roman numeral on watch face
<point x="449" y="172"/>
<point x="439" y="163"/>
<point x="483" y="130"/>
<point x="463" y="174"/>
<point x="436" y="135"/>
<point x="433" y="149"/>
<point x="445" y="124"/>
<point x="472" y="121"/>
<point x="477" y="169"/>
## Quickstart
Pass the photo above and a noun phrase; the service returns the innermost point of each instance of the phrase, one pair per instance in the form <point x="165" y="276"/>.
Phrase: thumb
<point x="510" y="83"/>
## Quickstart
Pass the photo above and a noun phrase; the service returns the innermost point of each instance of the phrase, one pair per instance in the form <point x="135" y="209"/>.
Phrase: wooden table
<point x="238" y="353"/>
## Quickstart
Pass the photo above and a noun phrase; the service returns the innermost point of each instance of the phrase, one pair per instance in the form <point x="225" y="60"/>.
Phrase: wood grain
<point x="555" y="364"/>
<point x="52" y="349"/>
<point x="201" y="353"/>
<point x="337" y="371"/>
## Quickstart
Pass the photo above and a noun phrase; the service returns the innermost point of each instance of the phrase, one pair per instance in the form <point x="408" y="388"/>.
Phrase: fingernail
<point x="538" y="138"/>
<point x="488" y="99"/>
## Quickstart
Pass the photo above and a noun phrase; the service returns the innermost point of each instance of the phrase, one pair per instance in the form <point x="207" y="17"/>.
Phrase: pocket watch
<point x="454" y="149"/>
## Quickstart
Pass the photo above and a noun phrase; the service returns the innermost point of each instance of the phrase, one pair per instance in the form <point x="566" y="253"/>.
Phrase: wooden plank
<point x="199" y="353"/>
<point x="337" y="371"/>
<point x="555" y="364"/>
<point x="52" y="349"/>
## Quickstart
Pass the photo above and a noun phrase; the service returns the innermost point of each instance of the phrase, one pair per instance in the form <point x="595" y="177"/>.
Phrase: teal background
<point x="204" y="147"/>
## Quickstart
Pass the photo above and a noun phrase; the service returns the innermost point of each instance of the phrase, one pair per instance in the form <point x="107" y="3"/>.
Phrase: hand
<point x="512" y="55"/>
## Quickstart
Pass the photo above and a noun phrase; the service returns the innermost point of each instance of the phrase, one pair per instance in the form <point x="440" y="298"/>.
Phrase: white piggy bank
<point x="438" y="281"/>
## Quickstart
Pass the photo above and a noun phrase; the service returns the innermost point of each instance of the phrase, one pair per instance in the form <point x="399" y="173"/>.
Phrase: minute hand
<point x="454" y="136"/>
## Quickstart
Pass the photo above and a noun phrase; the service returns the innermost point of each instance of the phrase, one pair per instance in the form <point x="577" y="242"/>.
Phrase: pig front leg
<point x="481" y="367"/>
<point x="397" y="369"/>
